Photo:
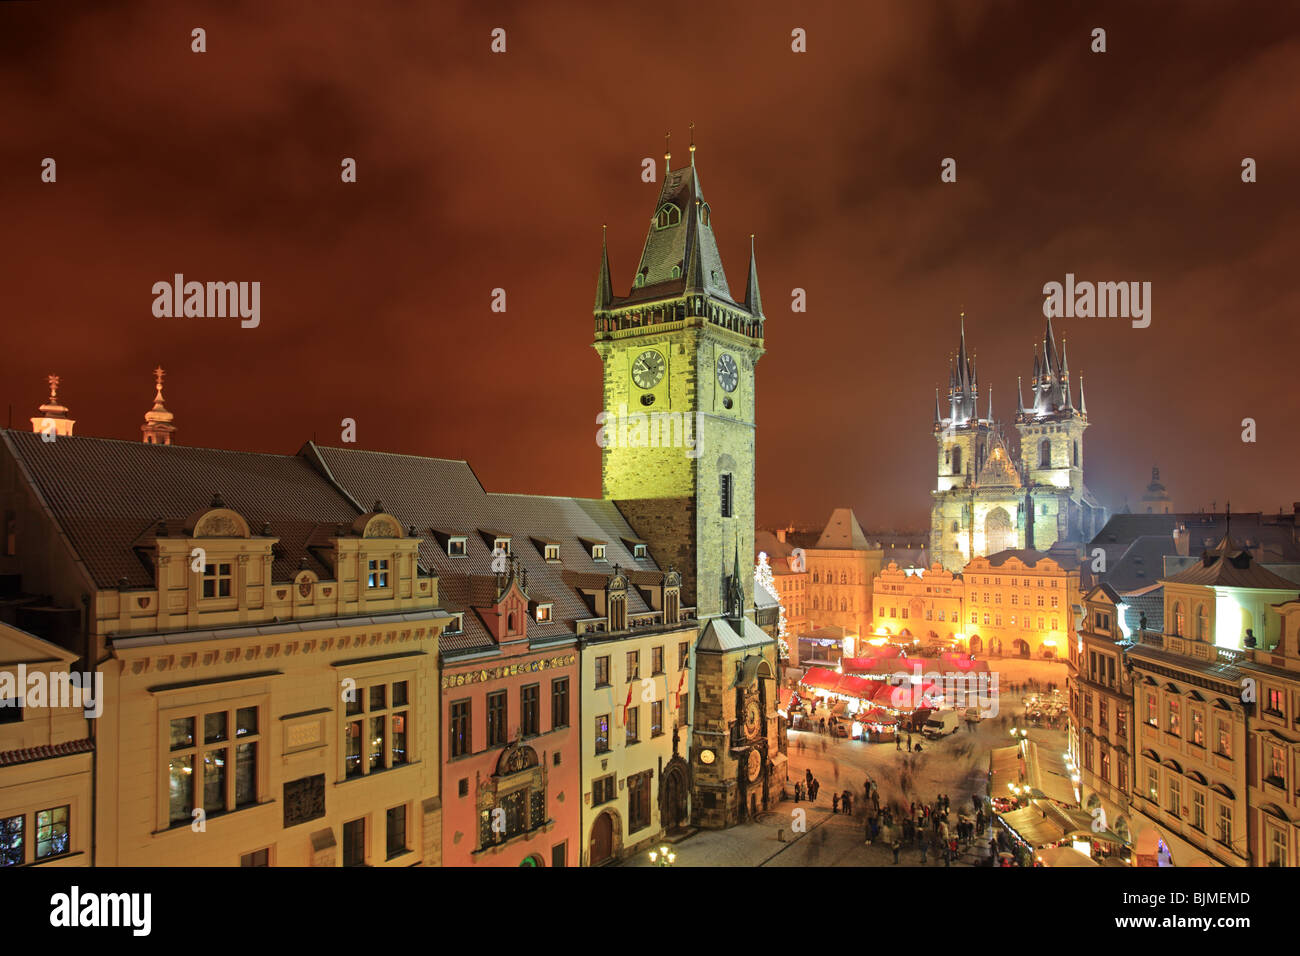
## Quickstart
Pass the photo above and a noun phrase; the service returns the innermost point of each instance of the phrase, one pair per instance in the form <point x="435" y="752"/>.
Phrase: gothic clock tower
<point x="677" y="426"/>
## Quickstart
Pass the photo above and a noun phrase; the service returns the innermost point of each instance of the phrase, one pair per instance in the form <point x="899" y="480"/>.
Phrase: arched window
<point x="1179" y="618"/>
<point x="844" y="578"/>
<point x="1202" y="623"/>
<point x="816" y="577"/>
<point x="704" y="214"/>
<point x="844" y="605"/>
<point x="677" y="272"/>
<point x="668" y="215"/>
<point x="956" y="460"/>
<point x="1045" y="453"/>
<point x="1076" y="454"/>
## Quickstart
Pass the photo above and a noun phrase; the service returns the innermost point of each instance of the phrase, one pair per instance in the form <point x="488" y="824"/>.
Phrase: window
<point x="598" y="552"/>
<point x="1172" y="713"/>
<point x="218" y="580"/>
<point x="1274" y="701"/>
<point x="560" y="854"/>
<point x="462" y="787"/>
<point x="1198" y="728"/>
<point x="683" y="654"/>
<point x="458" y="728"/>
<point x="1105" y="764"/>
<point x="1179" y="618"/>
<point x="377" y="575"/>
<point x="260" y="857"/>
<point x="725" y="487"/>
<point x="12" y="847"/>
<point x="682" y="708"/>
<point x="543" y="613"/>
<point x="638" y="801"/>
<point x="552" y="552"/>
<point x="501" y="544"/>
<point x="1121" y="723"/>
<point x="640" y="551"/>
<point x="530" y="698"/>
<point x="354" y="842"/>
<point x="1276" y="766"/>
<point x="1122" y="776"/>
<point x="1045" y="458"/>
<point x="1277" y="855"/>
<point x="396" y="831"/>
<point x="633" y="724"/>
<point x="633" y="665"/>
<point x="602" y="790"/>
<point x="1153" y="783"/>
<point x="657" y="660"/>
<point x="1151" y="709"/>
<point x="668" y="215"/>
<point x="1225" y="738"/>
<point x="52" y="832"/>
<point x="602" y="671"/>
<point x="1087" y="706"/>
<point x="201" y="753"/>
<point x="1202" y="623"/>
<point x="602" y="734"/>
<point x="560" y="702"/>
<point x="456" y="624"/>
<point x="456" y="547"/>
<point x="1225" y="824"/>
<point x="656" y="718"/>
<point x="1198" y="810"/>
<point x="1175" y="795"/>
<point x="496" y="719"/>
<point x="375" y="734"/>
<point x="956" y="467"/>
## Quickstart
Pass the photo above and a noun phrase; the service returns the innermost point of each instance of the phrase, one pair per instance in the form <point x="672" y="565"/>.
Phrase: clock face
<point x="755" y="764"/>
<point x="648" y="369"/>
<point x="753" y="718"/>
<point x="728" y="374"/>
<point x="706" y="756"/>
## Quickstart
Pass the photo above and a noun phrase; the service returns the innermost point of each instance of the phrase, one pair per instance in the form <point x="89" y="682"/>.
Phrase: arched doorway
<point x="532" y="861"/>
<point x="1020" y="648"/>
<point x="674" y="788"/>
<point x="605" y="837"/>
<point x="995" y="646"/>
<point x="976" y="644"/>
<point x="999" y="535"/>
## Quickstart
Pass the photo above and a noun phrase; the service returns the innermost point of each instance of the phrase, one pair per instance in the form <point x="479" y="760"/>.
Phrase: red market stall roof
<point x="876" y="692"/>
<point x="886" y="665"/>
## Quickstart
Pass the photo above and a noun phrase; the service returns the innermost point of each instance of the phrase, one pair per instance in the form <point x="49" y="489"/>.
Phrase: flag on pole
<point x="627" y="704"/>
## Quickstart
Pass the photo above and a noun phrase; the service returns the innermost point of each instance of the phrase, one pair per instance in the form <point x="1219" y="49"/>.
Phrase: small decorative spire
<point x="693" y="149"/>
<point x="668" y="154"/>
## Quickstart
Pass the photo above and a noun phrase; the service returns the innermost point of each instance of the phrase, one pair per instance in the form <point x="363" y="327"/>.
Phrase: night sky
<point x="478" y="171"/>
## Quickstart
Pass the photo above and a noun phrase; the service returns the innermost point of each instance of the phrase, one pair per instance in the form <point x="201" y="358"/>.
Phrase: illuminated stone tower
<point x="158" y="426"/>
<point x="679" y="353"/>
<point x="53" y="421"/>
<point x="1051" y="431"/>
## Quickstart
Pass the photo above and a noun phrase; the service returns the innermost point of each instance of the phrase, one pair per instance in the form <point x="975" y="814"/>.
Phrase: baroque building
<point x="989" y="499"/>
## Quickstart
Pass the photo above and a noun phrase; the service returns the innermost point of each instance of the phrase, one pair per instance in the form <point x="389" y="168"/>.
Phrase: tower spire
<point x="668" y="152"/>
<point x="753" y="302"/>
<point x="1083" y="401"/>
<point x="604" y="290"/>
<point x="158" y="426"/>
<point x="693" y="147"/>
<point x="936" y="405"/>
<point x="1020" y="395"/>
<point x="53" y="421"/>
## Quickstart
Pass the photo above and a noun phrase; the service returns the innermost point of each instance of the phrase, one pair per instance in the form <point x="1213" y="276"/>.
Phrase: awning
<point x="1076" y="822"/>
<point x="1049" y="776"/>
<point x="1004" y="770"/>
<point x="821" y="678"/>
<point x="1033" y="827"/>
<point x="1063" y="856"/>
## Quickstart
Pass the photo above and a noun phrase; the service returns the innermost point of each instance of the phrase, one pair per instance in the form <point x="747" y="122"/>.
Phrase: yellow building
<point x="841" y="566"/>
<point x="45" y="755"/>
<point x="1021" y="603"/>
<point x="269" y="664"/>
<point x="1273" y="798"/>
<point x="922" y="604"/>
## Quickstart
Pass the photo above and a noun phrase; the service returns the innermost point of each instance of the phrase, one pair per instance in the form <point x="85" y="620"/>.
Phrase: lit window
<point x="639" y="551"/>
<point x="552" y="552"/>
<point x="456" y="547"/>
<point x="598" y="552"/>
<point x="218" y="580"/>
<point x="543" y="612"/>
<point x="378" y="573"/>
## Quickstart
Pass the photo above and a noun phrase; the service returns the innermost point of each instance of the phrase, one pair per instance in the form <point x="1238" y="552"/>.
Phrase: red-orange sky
<point x="479" y="171"/>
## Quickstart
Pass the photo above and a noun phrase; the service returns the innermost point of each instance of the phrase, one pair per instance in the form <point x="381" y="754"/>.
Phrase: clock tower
<point x="677" y="421"/>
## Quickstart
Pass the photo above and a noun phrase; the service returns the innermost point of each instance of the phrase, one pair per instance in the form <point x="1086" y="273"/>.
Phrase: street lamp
<point x="663" y="856"/>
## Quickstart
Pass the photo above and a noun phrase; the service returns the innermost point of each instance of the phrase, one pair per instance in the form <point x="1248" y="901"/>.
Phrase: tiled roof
<point x="107" y="495"/>
<point x="843" y="532"/>
<point x="45" y="751"/>
<point x="437" y="493"/>
<point x="1227" y="566"/>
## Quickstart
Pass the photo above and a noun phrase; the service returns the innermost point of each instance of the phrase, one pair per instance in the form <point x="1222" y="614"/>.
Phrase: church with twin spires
<point x="991" y="496"/>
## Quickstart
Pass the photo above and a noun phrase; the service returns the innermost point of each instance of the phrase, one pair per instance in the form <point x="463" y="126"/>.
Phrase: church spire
<point x="1020" y="395"/>
<point x="936" y="406"/>
<point x="604" y="288"/>
<point x="1083" y="401"/>
<point x="53" y="421"/>
<point x="158" y="426"/>
<point x="753" y="302"/>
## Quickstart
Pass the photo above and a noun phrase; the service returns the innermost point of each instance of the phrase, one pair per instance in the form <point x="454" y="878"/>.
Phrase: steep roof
<point x="107" y="495"/>
<point x="843" y="532"/>
<point x="435" y="493"/>
<point x="1229" y="566"/>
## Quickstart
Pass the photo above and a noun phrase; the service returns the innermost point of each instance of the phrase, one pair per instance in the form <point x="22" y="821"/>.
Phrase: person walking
<point x="898" y="743"/>
<point x="895" y="846"/>
<point x="835" y="803"/>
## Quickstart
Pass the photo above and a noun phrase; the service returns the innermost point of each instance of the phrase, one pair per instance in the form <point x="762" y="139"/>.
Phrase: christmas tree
<point x="763" y="576"/>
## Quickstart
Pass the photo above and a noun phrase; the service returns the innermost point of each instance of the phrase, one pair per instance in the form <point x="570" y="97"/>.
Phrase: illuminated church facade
<point x="991" y="496"/>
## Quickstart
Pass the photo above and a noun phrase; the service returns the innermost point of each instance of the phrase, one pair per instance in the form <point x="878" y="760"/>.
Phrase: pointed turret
<point x="990" y="403"/>
<point x="604" y="288"/>
<point x="53" y="420"/>
<point x="936" y="408"/>
<point x="158" y="426"/>
<point x="753" y="302"/>
<point x="1020" y="395"/>
<point x="1083" y="401"/>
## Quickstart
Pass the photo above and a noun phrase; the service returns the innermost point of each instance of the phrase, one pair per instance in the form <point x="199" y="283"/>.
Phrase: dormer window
<point x="218" y="581"/>
<point x="639" y="551"/>
<point x="668" y="215"/>
<point x="377" y="576"/>
<point x="552" y="553"/>
<point x="598" y="552"/>
<point x="456" y="546"/>
<point x="502" y="543"/>
<point x="640" y="279"/>
<point x="544" y="613"/>
<point x="456" y="624"/>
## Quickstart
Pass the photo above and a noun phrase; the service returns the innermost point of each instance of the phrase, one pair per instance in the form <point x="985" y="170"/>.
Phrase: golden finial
<point x="668" y="154"/>
<point x="54" y="387"/>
